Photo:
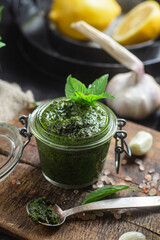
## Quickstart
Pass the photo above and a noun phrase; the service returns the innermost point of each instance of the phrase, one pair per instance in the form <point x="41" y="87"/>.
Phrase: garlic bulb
<point x="137" y="94"/>
<point x="133" y="98"/>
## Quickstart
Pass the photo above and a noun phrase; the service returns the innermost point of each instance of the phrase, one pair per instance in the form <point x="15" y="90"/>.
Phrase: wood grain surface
<point x="26" y="182"/>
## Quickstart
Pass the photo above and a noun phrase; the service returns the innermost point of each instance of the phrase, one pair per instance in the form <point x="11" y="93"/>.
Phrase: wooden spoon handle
<point x="117" y="51"/>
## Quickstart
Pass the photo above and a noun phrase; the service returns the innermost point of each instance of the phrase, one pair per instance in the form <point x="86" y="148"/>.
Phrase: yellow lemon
<point x="140" y="24"/>
<point x="98" y="13"/>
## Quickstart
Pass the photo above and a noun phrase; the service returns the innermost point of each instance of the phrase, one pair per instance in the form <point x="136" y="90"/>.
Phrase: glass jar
<point x="66" y="162"/>
<point x="72" y="163"/>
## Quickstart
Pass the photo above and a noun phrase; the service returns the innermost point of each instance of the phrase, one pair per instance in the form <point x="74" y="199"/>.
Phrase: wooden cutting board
<point x="26" y="182"/>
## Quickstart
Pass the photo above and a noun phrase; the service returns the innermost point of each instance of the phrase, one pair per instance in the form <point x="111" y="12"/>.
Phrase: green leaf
<point x="69" y="90"/>
<point x="77" y="85"/>
<point x="106" y="95"/>
<point x="2" y="44"/>
<point x="92" y="97"/>
<point x="104" y="191"/>
<point x="86" y="99"/>
<point x="1" y="9"/>
<point x="78" y="92"/>
<point x="73" y="85"/>
<point x="99" y="85"/>
<point x="82" y="98"/>
<point x="76" y="98"/>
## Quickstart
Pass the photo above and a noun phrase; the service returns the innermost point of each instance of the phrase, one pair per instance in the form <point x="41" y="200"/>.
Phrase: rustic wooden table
<point x="26" y="182"/>
<point x="14" y="221"/>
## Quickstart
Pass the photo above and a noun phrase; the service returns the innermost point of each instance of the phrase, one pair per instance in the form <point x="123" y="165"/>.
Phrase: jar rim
<point x="41" y="134"/>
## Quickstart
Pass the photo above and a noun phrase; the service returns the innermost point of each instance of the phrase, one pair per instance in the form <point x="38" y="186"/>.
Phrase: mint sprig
<point x="2" y="44"/>
<point x="78" y="92"/>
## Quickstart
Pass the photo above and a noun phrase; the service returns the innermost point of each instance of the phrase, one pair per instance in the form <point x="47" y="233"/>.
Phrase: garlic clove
<point x="141" y="143"/>
<point x="132" y="236"/>
<point x="133" y="98"/>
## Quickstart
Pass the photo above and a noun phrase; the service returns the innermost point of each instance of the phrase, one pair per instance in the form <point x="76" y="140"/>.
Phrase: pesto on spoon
<point x="116" y="203"/>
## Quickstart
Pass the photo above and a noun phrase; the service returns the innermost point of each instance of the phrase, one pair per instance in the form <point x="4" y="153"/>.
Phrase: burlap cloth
<point x="12" y="100"/>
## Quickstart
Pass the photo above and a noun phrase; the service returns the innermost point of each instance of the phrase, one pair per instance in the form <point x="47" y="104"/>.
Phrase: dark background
<point x="14" y="68"/>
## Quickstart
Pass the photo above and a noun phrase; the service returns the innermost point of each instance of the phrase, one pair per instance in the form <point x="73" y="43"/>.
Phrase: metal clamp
<point x="120" y="144"/>
<point x="24" y="131"/>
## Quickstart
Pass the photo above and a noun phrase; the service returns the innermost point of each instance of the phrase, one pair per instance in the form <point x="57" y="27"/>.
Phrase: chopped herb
<point x="40" y="211"/>
<point x="67" y="118"/>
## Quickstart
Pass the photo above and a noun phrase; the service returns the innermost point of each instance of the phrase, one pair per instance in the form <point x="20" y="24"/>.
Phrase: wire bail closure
<point x="120" y="143"/>
<point x="24" y="131"/>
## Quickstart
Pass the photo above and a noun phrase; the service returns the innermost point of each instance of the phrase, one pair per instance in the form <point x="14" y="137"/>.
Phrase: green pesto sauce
<point x="70" y="124"/>
<point x="40" y="211"/>
<point x="67" y="118"/>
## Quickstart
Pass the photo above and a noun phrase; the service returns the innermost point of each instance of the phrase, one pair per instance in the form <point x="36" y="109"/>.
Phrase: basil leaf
<point x="78" y="92"/>
<point x="77" y="85"/>
<point x="73" y="85"/>
<point x="87" y="99"/>
<point x="99" y="85"/>
<point x="69" y="90"/>
<point x="2" y="44"/>
<point x="90" y="98"/>
<point x="104" y="191"/>
<point x="76" y="99"/>
<point x="106" y="95"/>
<point x="82" y="98"/>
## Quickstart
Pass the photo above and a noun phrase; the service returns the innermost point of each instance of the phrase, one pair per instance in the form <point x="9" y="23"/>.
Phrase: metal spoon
<point x="117" y="203"/>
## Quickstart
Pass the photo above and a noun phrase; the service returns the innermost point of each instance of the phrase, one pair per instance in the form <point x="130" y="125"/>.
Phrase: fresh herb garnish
<point x="1" y="43"/>
<point x="40" y="210"/>
<point x="104" y="192"/>
<point x="78" y="92"/>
